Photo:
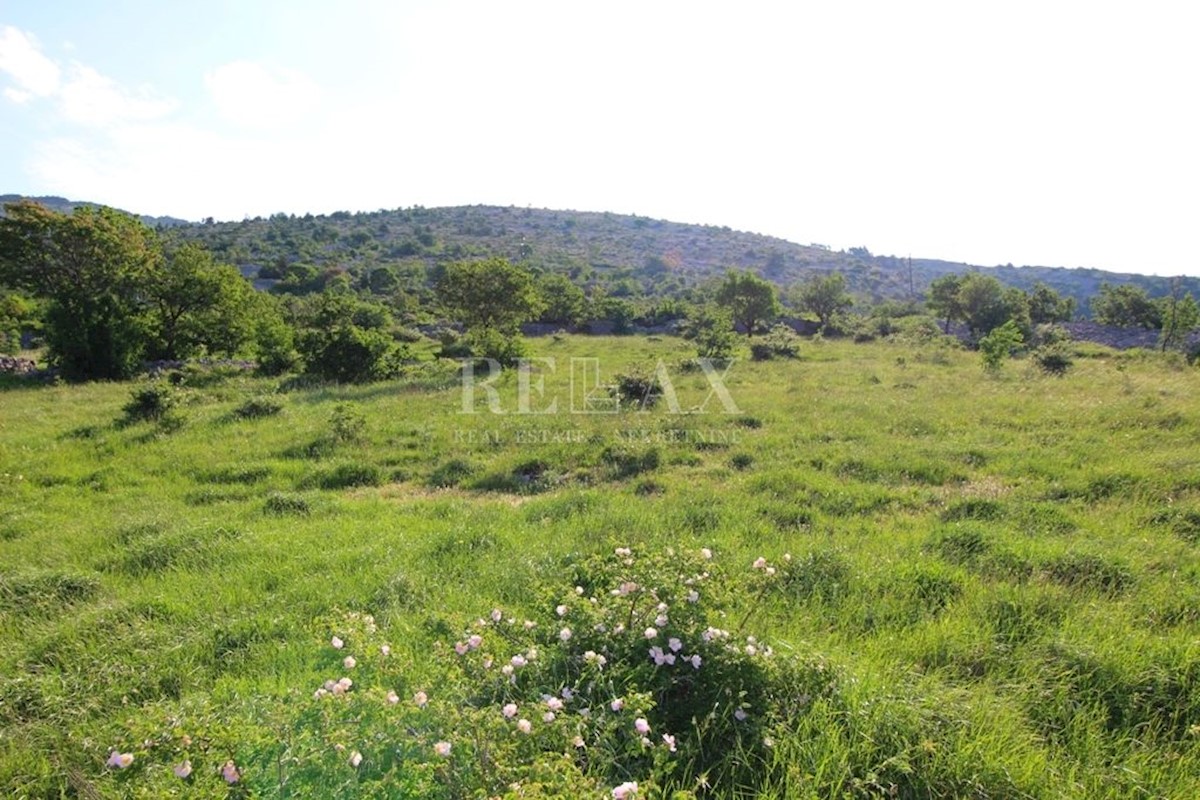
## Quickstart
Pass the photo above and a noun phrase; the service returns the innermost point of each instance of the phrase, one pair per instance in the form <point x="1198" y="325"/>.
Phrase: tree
<point x="825" y="296"/>
<point x="92" y="266"/>
<point x="1125" y="306"/>
<point x="1179" y="314"/>
<point x="981" y="299"/>
<point x="999" y="344"/>
<point x="493" y="295"/>
<point x="346" y="340"/>
<point x="943" y="299"/>
<point x="1047" y="306"/>
<point x="750" y="300"/>
<point x="711" y="328"/>
<point x="197" y="306"/>
<point x="564" y="301"/>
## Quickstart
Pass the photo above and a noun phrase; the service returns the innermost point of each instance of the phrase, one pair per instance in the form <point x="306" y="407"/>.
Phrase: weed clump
<point x="286" y="504"/>
<point x="152" y="402"/>
<point x="258" y="408"/>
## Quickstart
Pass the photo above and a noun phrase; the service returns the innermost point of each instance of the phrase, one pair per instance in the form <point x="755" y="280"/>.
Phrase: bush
<point x="349" y="476"/>
<point x="638" y="389"/>
<point x="626" y="463"/>
<point x="346" y="425"/>
<point x="1053" y="359"/>
<point x="350" y="354"/>
<point x="1000" y="344"/>
<point x="257" y="408"/>
<point x="151" y="403"/>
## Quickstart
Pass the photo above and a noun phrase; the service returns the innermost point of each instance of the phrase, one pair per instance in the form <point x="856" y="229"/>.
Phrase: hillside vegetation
<point x="957" y="585"/>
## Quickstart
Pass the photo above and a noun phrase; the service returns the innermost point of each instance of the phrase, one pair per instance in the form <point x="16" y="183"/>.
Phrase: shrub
<point x="452" y="473"/>
<point x="152" y="402"/>
<point x="1000" y="344"/>
<point x="347" y="476"/>
<point x="638" y="389"/>
<point x="257" y="408"/>
<point x="626" y="463"/>
<point x="1053" y="359"/>
<point x="346" y="425"/>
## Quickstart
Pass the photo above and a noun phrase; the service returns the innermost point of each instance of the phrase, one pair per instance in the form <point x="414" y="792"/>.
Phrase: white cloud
<point x="253" y="95"/>
<point x="17" y="96"/>
<point x="24" y="63"/>
<point x="89" y="98"/>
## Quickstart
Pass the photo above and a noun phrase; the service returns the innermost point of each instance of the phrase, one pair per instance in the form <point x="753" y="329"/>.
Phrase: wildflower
<point x="530" y="624"/>
<point x="460" y="648"/>
<point x="355" y="758"/>
<point x="658" y="655"/>
<point x="524" y="726"/>
<point x="442" y="749"/>
<point x="229" y="772"/>
<point x="693" y="596"/>
<point x="740" y="714"/>
<point x="660" y="620"/>
<point x="548" y="716"/>
<point x="674" y="644"/>
<point x="641" y="725"/>
<point x="669" y="741"/>
<point x="393" y="698"/>
<point x="704" y="551"/>
<point x="474" y="641"/>
<point x="496" y="615"/>
<point x="348" y="662"/>
<point x="119" y="760"/>
<point x="319" y="693"/>
<point x="518" y="660"/>
<point x="420" y="698"/>
<point x="650" y="633"/>
<point x="487" y="662"/>
<point x="617" y="705"/>
<point x="578" y="741"/>
<point x="624" y="551"/>
<point x="337" y="643"/>
<point x="618" y="629"/>
<point x="385" y="649"/>
<point x="627" y="588"/>
<point x="507" y="669"/>
<point x="565" y="634"/>
<point x="751" y="650"/>
<point x="760" y="563"/>
<point x="567" y="693"/>
<point x="579" y="591"/>
<point x="770" y="571"/>
<point x="696" y="661"/>
<point x="509" y="711"/>
<point x="787" y="556"/>
<point x="645" y="740"/>
<point x="626" y="791"/>
<point x="183" y="769"/>
<point x="561" y="611"/>
<point x="554" y="704"/>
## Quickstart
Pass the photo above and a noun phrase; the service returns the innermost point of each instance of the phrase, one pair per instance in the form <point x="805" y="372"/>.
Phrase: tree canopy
<point x="824" y="296"/>
<point x="750" y="300"/>
<point x="493" y="294"/>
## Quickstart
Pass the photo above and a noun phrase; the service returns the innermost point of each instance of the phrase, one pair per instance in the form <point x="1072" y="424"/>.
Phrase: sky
<point x="1048" y="133"/>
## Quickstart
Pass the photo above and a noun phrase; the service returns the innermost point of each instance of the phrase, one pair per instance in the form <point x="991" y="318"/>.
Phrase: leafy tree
<point x="825" y="296"/>
<point x="493" y="294"/>
<point x="1125" y="306"/>
<point x="197" y="305"/>
<point x="346" y="340"/>
<point x="18" y="314"/>
<point x="750" y="300"/>
<point x="1180" y="316"/>
<point x="711" y="328"/>
<point x="92" y="266"/>
<point x="999" y="344"/>
<point x="943" y="299"/>
<point x="982" y="302"/>
<point x="1047" y="306"/>
<point x="564" y="301"/>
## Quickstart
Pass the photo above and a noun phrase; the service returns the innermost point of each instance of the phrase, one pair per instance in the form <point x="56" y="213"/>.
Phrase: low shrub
<point x="258" y="408"/>
<point x="150" y="403"/>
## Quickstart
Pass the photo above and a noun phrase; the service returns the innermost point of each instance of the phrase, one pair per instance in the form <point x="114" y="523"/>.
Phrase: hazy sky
<point x="1050" y="133"/>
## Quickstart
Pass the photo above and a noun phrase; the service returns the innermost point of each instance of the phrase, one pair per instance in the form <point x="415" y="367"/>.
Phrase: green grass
<point x="1002" y="572"/>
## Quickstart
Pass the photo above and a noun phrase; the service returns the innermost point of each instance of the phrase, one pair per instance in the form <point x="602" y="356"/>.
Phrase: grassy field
<point x="974" y="586"/>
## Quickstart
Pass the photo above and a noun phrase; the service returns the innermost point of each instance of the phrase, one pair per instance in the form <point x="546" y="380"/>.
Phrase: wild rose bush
<point x="630" y="677"/>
